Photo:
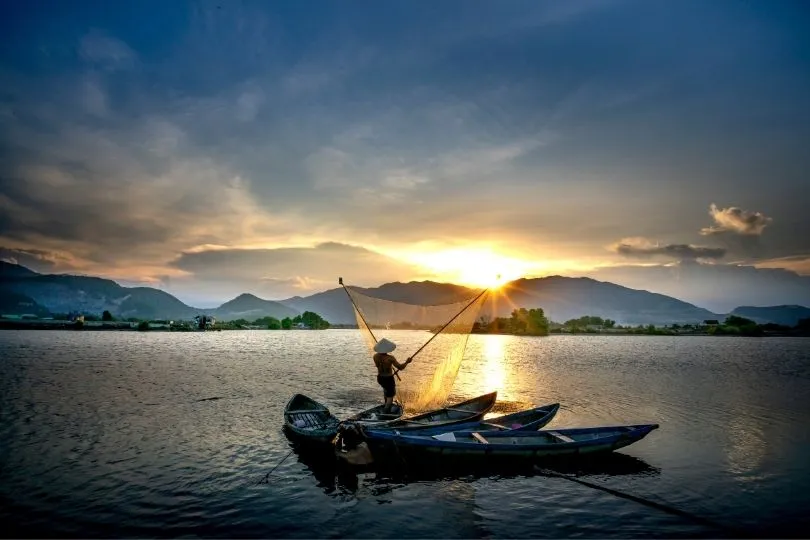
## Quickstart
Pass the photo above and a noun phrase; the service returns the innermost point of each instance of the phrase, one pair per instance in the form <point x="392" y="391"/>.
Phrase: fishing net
<point x="434" y="335"/>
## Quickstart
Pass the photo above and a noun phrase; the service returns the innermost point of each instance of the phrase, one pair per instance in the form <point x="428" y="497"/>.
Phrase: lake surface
<point x="122" y="434"/>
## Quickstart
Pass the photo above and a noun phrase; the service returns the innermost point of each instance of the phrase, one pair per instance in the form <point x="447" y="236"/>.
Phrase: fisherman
<point x="385" y="372"/>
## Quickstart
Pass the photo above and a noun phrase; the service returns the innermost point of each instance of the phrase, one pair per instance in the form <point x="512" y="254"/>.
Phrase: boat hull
<point x="309" y="421"/>
<point x="377" y="415"/>
<point x="467" y="411"/>
<point x="505" y="446"/>
<point x="528" y="420"/>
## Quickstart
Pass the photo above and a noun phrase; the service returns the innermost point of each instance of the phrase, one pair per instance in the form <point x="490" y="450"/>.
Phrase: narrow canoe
<point x="307" y="418"/>
<point x="513" y="444"/>
<point x="466" y="411"/>
<point x="310" y="420"/>
<point x="526" y="420"/>
<point x="377" y="415"/>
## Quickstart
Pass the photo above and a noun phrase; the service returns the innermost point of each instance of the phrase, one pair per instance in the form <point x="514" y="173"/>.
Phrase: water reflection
<point x="336" y="478"/>
<point x="494" y="372"/>
<point x="746" y="449"/>
<point x="86" y="447"/>
<point x="614" y="464"/>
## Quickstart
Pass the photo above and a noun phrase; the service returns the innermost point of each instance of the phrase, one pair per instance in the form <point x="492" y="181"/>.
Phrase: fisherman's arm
<point x="401" y="366"/>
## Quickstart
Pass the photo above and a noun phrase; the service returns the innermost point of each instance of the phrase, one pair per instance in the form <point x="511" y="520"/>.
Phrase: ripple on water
<point x="166" y="434"/>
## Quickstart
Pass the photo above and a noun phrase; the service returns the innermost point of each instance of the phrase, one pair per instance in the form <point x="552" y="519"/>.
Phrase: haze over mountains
<point x="23" y="291"/>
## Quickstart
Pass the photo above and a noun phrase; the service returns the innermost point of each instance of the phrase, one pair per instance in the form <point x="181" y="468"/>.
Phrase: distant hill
<point x="564" y="298"/>
<point x="24" y="291"/>
<point x="422" y="292"/>
<point x="12" y="303"/>
<point x="149" y="303"/>
<point x="785" y="315"/>
<point x="334" y="305"/>
<point x="10" y="270"/>
<point x="64" y="294"/>
<point x="250" y="307"/>
<point x="561" y="298"/>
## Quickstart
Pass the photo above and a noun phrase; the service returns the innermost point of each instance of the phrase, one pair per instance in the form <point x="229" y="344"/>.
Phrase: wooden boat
<point x="305" y="417"/>
<point x="310" y="420"/>
<point x="511" y="444"/>
<point x="527" y="420"/>
<point x="377" y="415"/>
<point x="466" y="411"/>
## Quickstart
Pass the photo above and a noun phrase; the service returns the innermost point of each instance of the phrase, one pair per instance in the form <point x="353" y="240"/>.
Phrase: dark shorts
<point x="388" y="384"/>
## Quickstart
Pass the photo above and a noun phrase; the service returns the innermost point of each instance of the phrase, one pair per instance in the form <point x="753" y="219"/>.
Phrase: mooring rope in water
<point x="266" y="479"/>
<point x="659" y="506"/>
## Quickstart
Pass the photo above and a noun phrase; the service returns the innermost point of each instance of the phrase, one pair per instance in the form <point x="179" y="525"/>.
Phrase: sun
<point x="472" y="267"/>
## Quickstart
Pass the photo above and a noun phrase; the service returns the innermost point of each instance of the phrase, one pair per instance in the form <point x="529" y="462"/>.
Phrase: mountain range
<point x="23" y="291"/>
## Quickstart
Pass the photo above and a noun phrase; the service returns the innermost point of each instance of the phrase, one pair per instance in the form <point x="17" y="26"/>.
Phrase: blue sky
<point x="211" y="148"/>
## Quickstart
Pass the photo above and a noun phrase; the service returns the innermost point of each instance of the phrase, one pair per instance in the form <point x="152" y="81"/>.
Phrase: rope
<point x="266" y="479"/>
<point x="659" y="506"/>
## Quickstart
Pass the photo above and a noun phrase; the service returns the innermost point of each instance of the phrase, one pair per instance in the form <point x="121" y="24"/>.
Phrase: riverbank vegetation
<point x="106" y="321"/>
<point x="733" y="325"/>
<point x="522" y="322"/>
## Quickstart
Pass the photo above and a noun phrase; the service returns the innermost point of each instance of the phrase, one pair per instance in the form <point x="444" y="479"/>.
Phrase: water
<point x="122" y="434"/>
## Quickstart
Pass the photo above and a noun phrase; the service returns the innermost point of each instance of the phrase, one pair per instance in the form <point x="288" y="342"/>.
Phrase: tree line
<point x="308" y="319"/>
<point x="533" y="322"/>
<point x="733" y="325"/>
<point x="522" y="322"/>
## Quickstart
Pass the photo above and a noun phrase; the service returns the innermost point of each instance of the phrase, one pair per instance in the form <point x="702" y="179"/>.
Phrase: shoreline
<point x="116" y="326"/>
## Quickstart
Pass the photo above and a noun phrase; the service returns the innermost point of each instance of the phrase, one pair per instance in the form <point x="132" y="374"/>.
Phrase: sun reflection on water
<point x="493" y="369"/>
<point x="746" y="450"/>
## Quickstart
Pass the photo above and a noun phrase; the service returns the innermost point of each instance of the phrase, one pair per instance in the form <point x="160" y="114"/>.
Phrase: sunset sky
<point x="214" y="148"/>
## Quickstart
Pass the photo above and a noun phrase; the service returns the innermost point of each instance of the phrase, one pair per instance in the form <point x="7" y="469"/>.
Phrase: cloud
<point x="403" y="180"/>
<point x="383" y="128"/>
<point x="301" y="283"/>
<point x="354" y="167"/>
<point x="38" y="260"/>
<point x="105" y="51"/>
<point x="130" y="185"/>
<point x="190" y="201"/>
<point x="284" y="272"/>
<point x="796" y="263"/>
<point x="93" y="97"/>
<point x="248" y="105"/>
<point x="643" y="248"/>
<point x="736" y="220"/>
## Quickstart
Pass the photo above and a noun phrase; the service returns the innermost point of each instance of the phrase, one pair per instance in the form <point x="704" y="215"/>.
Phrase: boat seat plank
<point x="564" y="438"/>
<point x="419" y="423"/>
<point x="493" y="424"/>
<point x="480" y="438"/>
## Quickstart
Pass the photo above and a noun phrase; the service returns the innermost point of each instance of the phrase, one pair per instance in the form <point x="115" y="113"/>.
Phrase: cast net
<point x="434" y="335"/>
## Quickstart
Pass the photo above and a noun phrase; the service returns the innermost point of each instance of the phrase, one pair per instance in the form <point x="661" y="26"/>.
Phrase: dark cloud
<point x="227" y="127"/>
<point x="38" y="260"/>
<point x="673" y="251"/>
<point x="105" y="51"/>
<point x="123" y="192"/>
<point x="736" y="221"/>
<point x="285" y="262"/>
